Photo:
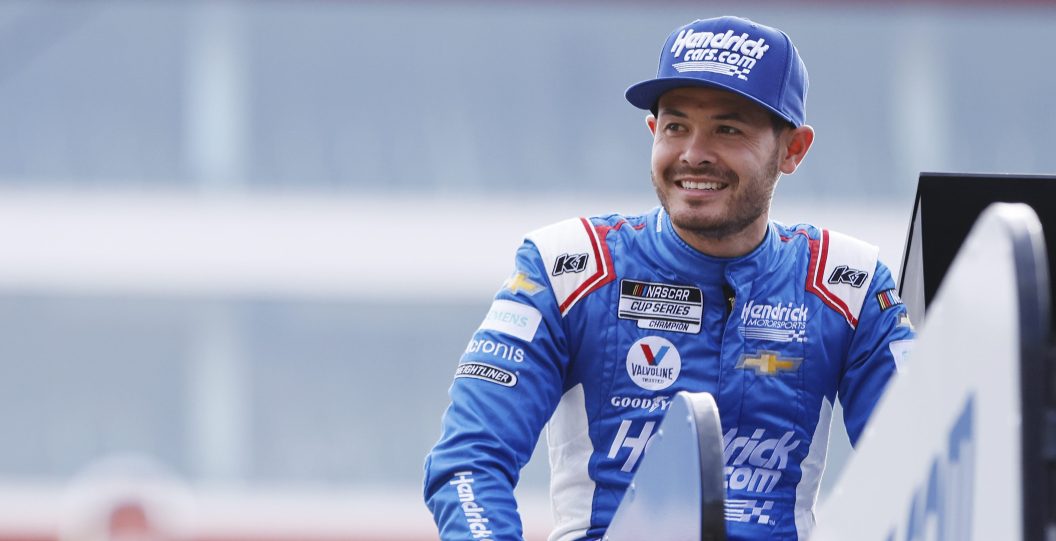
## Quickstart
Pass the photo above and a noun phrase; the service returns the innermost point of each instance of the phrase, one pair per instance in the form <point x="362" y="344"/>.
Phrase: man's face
<point x="716" y="159"/>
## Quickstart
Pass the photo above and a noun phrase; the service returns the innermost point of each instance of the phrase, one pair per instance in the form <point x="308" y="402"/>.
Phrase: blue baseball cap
<point x="734" y="54"/>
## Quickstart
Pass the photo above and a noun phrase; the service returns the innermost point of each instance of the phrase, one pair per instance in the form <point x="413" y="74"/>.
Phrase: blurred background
<point x="243" y="243"/>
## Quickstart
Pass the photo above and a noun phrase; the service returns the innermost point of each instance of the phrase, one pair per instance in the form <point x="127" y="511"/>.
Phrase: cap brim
<point x="646" y="94"/>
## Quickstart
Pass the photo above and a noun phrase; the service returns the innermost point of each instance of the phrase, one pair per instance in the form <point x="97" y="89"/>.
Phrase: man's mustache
<point x="712" y="171"/>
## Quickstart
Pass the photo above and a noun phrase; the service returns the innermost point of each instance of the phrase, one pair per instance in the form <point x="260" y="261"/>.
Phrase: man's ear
<point x="797" y="142"/>
<point x="650" y="121"/>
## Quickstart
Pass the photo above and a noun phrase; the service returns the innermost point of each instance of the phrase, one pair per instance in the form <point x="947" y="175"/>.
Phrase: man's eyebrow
<point x="736" y="116"/>
<point x="732" y="115"/>
<point x="673" y="112"/>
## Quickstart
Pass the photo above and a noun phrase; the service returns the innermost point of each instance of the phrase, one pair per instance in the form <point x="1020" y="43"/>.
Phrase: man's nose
<point x="699" y="150"/>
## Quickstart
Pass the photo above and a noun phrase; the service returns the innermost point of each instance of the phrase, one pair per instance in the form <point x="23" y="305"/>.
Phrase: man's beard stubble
<point x="743" y="209"/>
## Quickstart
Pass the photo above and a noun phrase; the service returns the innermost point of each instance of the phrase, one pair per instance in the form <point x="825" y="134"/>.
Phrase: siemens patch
<point x="512" y="318"/>
<point x="486" y="372"/>
<point x="662" y="307"/>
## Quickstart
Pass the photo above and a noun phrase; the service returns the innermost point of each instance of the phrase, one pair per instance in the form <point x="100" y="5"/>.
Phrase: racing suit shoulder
<point x="841" y="268"/>
<point x="577" y="255"/>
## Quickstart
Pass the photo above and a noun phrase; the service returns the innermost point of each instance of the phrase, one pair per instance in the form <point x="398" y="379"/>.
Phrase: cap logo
<point x="723" y="53"/>
<point x="728" y="53"/>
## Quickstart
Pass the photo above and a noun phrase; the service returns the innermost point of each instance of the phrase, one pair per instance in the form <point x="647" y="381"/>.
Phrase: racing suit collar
<point x="688" y="261"/>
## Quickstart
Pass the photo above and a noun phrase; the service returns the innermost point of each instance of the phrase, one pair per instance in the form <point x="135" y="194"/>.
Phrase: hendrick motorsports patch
<point x="662" y="307"/>
<point x="486" y="372"/>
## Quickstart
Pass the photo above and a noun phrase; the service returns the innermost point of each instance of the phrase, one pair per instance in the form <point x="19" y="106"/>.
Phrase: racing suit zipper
<point x="731" y="299"/>
<point x="729" y="294"/>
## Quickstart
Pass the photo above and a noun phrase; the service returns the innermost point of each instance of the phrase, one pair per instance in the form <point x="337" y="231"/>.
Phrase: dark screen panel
<point x="951" y="202"/>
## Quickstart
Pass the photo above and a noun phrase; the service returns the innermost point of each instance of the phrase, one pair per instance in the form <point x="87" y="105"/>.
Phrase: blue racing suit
<point x="606" y="318"/>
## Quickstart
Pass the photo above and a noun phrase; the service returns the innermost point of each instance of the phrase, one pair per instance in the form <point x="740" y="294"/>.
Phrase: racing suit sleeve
<point x="506" y="386"/>
<point x="879" y="346"/>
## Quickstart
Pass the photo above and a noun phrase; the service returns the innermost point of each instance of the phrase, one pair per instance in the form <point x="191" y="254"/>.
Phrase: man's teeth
<point x="701" y="185"/>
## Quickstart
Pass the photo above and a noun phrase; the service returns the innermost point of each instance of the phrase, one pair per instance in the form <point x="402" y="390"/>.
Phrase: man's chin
<point x="709" y="227"/>
<point x="704" y="227"/>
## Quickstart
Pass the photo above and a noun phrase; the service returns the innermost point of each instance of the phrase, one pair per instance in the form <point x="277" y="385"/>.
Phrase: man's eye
<point x="728" y="130"/>
<point x="673" y="127"/>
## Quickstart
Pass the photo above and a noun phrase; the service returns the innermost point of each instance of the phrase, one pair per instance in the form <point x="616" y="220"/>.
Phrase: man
<point x="606" y="318"/>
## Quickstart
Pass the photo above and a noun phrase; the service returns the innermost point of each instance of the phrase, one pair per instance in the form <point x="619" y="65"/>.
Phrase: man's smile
<point x="710" y="186"/>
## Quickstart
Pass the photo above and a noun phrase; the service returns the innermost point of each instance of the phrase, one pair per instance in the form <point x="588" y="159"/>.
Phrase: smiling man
<point x="605" y="318"/>
<point x="716" y="160"/>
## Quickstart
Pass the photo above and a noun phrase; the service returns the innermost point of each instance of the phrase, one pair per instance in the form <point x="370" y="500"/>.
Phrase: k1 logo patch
<point x="846" y="275"/>
<point x="653" y="363"/>
<point x="571" y="263"/>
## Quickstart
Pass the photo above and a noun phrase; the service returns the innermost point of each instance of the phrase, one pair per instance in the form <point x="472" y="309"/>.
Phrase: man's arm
<point x="881" y="342"/>
<point x="506" y="386"/>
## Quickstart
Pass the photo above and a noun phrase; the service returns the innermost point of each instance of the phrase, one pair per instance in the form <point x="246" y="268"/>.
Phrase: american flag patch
<point x="887" y="299"/>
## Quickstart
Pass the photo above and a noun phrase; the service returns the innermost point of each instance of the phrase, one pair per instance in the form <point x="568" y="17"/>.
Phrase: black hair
<point x="779" y="124"/>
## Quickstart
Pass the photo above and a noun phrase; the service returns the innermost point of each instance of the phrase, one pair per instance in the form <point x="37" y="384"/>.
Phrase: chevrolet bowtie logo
<point x="768" y="363"/>
<point x="519" y="282"/>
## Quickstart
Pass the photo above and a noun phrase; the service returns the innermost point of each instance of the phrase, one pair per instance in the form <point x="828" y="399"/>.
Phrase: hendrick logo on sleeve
<point x="471" y="508"/>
